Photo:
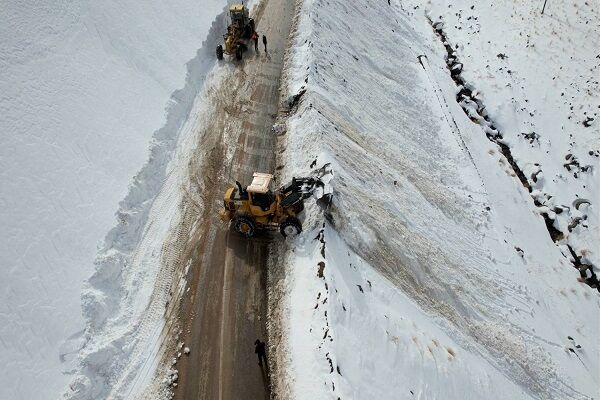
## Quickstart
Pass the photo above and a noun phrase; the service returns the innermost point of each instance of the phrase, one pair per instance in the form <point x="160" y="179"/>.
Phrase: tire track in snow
<point x="225" y="308"/>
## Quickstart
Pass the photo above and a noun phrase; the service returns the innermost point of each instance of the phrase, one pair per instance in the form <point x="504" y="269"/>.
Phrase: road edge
<point x="277" y="288"/>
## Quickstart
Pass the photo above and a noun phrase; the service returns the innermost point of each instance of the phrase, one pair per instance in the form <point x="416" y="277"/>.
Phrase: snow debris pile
<point x="433" y="273"/>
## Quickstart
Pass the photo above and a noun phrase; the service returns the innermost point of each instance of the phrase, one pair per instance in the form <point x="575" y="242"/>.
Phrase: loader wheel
<point x="239" y="51"/>
<point x="290" y="227"/>
<point x="245" y="226"/>
<point x="219" y="52"/>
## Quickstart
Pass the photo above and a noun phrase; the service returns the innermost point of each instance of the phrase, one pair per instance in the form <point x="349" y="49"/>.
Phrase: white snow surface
<point x="440" y="279"/>
<point x="89" y="93"/>
<point x="539" y="77"/>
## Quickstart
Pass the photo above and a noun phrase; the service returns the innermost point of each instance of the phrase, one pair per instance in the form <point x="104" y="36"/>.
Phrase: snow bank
<point x="361" y="338"/>
<point x="83" y="87"/>
<point x="439" y="276"/>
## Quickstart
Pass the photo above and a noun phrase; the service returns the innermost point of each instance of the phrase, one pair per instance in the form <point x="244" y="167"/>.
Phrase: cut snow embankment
<point x="82" y="88"/>
<point x="125" y="301"/>
<point x="436" y="277"/>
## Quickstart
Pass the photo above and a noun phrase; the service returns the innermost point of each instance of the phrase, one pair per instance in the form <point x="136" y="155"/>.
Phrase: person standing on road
<point x="265" y="42"/>
<point x="255" y="38"/>
<point x="259" y="349"/>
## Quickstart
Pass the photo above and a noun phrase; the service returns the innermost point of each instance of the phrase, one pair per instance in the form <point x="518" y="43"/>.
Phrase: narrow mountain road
<point x="224" y="309"/>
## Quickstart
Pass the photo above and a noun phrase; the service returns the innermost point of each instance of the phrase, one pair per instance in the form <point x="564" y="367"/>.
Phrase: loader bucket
<point x="323" y="189"/>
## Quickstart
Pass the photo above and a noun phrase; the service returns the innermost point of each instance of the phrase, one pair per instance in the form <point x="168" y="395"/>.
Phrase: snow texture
<point x="84" y="88"/>
<point x="435" y="275"/>
<point x="538" y="76"/>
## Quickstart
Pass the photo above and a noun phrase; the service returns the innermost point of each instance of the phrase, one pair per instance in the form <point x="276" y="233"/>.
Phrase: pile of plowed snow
<point x="433" y="274"/>
<point x="83" y="87"/>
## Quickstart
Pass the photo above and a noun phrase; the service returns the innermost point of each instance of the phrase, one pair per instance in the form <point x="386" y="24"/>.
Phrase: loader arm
<point x="316" y="185"/>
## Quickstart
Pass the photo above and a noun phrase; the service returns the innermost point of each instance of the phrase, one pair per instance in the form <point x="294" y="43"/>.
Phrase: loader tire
<point x="290" y="227"/>
<point x="238" y="52"/>
<point x="245" y="226"/>
<point x="219" y="52"/>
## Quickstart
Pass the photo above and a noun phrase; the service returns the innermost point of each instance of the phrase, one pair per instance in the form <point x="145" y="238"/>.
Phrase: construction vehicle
<point x="238" y="33"/>
<point x="257" y="208"/>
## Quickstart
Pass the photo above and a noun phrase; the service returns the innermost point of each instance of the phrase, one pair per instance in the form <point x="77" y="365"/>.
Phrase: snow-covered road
<point x="464" y="140"/>
<point x="224" y="311"/>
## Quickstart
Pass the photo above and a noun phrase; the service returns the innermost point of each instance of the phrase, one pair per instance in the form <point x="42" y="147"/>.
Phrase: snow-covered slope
<point x="538" y="76"/>
<point x="436" y="276"/>
<point x="83" y="86"/>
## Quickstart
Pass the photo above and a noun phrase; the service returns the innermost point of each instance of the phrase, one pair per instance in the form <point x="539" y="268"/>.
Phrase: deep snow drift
<point x="435" y="275"/>
<point x="83" y="88"/>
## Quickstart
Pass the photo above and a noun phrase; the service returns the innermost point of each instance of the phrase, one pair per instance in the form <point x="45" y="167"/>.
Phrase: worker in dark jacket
<point x="265" y="42"/>
<point x="255" y="38"/>
<point x="261" y="352"/>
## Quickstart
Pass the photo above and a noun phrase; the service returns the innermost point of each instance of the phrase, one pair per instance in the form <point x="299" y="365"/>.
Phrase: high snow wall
<point x="83" y="88"/>
<point x="434" y="273"/>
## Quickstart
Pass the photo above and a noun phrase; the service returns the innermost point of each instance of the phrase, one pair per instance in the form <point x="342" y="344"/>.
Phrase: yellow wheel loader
<point x="238" y="33"/>
<point x="257" y="208"/>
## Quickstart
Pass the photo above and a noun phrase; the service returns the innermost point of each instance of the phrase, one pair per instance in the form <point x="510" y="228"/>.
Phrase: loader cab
<point x="259" y="192"/>
<point x="240" y="19"/>
<point x="238" y="13"/>
<point x="239" y="16"/>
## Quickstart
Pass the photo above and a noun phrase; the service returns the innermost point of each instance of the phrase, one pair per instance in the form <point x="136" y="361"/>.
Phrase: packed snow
<point x="434" y="274"/>
<point x="86" y="90"/>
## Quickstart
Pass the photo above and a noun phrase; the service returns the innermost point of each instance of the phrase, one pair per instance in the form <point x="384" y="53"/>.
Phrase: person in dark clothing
<point x="261" y="352"/>
<point x="255" y="38"/>
<point x="265" y="42"/>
